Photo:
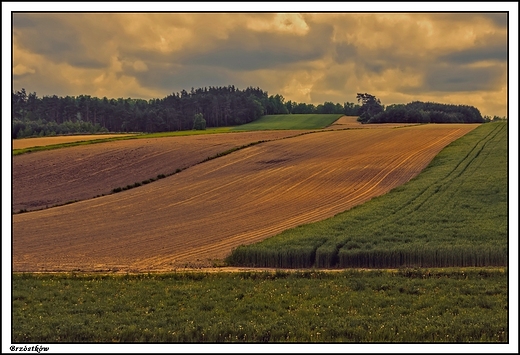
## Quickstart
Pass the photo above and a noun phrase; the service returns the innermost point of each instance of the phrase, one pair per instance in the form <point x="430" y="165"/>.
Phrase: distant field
<point x="296" y="121"/>
<point x="349" y="122"/>
<point x="44" y="141"/>
<point x="453" y="214"/>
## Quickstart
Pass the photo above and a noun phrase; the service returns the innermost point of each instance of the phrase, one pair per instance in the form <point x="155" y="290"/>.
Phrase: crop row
<point x="453" y="214"/>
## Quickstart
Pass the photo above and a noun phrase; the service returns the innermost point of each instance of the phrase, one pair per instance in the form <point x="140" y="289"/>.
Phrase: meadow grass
<point x="454" y="213"/>
<point x="409" y="305"/>
<point x="293" y="121"/>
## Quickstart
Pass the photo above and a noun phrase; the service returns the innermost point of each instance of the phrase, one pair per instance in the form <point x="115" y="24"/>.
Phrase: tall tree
<point x="370" y="106"/>
<point x="199" y="123"/>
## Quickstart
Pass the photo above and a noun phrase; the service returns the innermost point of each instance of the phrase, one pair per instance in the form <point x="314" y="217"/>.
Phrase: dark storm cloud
<point x="240" y="59"/>
<point x="344" y="52"/>
<point x="496" y="51"/>
<point x="174" y="78"/>
<point x="499" y="19"/>
<point x="54" y="39"/>
<point x="460" y="78"/>
<point x="249" y="50"/>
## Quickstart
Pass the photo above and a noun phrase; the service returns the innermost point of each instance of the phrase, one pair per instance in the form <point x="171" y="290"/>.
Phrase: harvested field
<point x="43" y="141"/>
<point x="49" y="178"/>
<point x="352" y="122"/>
<point x="202" y="213"/>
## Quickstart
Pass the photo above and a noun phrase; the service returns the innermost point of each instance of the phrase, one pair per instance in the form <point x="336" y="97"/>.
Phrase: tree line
<point x="372" y="111"/>
<point x="219" y="106"/>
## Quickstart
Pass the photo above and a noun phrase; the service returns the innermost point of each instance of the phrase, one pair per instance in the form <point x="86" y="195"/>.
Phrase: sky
<point x="311" y="57"/>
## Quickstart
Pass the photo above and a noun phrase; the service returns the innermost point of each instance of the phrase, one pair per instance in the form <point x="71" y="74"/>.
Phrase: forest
<point x="219" y="106"/>
<point x="205" y="107"/>
<point x="372" y="111"/>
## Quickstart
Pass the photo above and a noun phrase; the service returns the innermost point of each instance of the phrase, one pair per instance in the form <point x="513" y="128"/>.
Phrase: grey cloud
<point x="459" y="78"/>
<point x="44" y="85"/>
<point x="497" y="51"/>
<point x="336" y="80"/>
<point x="55" y="39"/>
<point x="240" y="59"/>
<point x="499" y="19"/>
<point x="344" y="52"/>
<point x="336" y="97"/>
<point x="174" y="78"/>
<point x="376" y="66"/>
<point x="24" y="21"/>
<point x="248" y="50"/>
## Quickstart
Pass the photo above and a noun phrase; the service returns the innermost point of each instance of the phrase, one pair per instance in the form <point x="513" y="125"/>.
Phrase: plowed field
<point x="203" y="212"/>
<point x="352" y="122"/>
<point x="43" y="141"/>
<point x="54" y="177"/>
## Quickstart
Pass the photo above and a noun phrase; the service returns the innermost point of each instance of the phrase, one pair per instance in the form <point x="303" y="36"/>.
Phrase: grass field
<point x="295" y="121"/>
<point x="410" y="305"/>
<point x="453" y="214"/>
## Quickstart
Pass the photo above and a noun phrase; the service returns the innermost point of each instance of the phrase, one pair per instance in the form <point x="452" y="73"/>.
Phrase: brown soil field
<point x="199" y="215"/>
<point x="47" y="178"/>
<point x="352" y="122"/>
<point x="43" y="141"/>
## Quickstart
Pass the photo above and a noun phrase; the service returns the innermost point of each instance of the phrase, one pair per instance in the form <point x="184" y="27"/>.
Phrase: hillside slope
<point x="202" y="213"/>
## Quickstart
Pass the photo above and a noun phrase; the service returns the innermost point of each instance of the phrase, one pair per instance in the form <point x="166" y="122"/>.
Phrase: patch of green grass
<point x="293" y="121"/>
<point x="411" y="305"/>
<point x="453" y="214"/>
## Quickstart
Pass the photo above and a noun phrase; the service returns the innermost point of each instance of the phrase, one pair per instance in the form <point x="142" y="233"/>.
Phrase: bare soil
<point x="44" y="141"/>
<point x="351" y="122"/>
<point x="198" y="216"/>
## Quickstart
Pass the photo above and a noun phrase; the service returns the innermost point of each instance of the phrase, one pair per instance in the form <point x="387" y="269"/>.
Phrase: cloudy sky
<point x="310" y="57"/>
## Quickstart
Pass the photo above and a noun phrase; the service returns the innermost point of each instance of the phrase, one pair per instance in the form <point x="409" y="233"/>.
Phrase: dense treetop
<point x="372" y="111"/>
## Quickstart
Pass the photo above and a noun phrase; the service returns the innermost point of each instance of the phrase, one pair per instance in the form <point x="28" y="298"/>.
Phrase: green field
<point x="294" y="121"/>
<point x="410" y="305"/>
<point x="454" y="213"/>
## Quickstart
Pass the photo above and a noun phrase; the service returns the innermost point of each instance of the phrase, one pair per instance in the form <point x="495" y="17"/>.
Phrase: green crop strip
<point x="293" y="121"/>
<point x="453" y="214"/>
<point x="411" y="305"/>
